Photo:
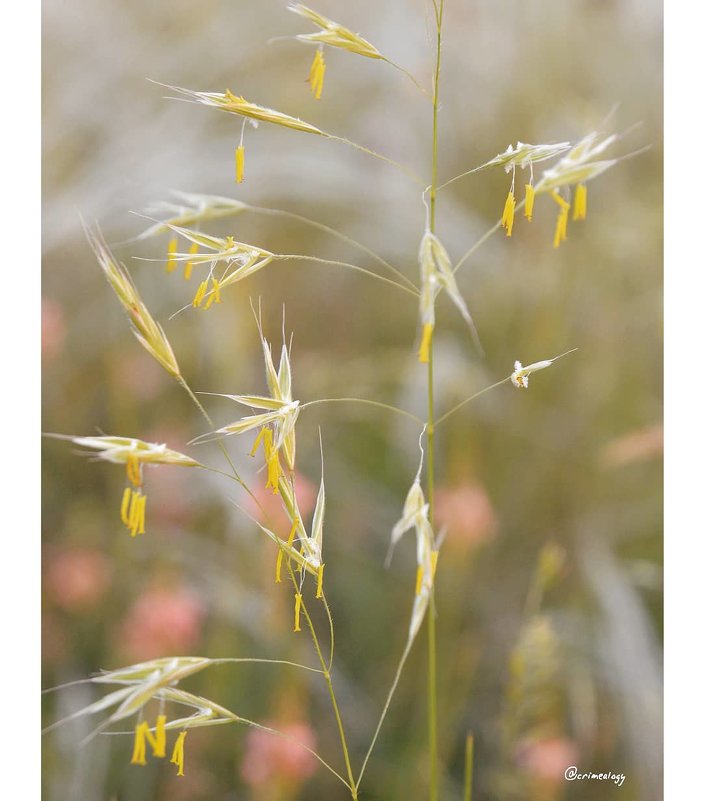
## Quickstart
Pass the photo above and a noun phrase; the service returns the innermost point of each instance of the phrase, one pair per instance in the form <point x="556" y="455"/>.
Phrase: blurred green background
<point x="573" y="464"/>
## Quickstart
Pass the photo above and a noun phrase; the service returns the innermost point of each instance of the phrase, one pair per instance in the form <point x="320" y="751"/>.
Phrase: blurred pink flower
<point x="53" y="327"/>
<point x="270" y="757"/>
<point x="76" y="579"/>
<point x="162" y="622"/>
<point x="306" y="494"/>
<point x="547" y="759"/>
<point x="634" y="446"/>
<point x="467" y="514"/>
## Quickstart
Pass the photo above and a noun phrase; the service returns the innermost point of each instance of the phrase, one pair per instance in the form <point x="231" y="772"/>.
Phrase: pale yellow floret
<point x="529" y="196"/>
<point x="427" y="332"/>
<point x="188" y="271"/>
<point x="580" y="202"/>
<point x="434" y="560"/>
<point x="239" y="159"/>
<point x="420" y="579"/>
<point x="178" y="756"/>
<point x="320" y="582"/>
<point x="298" y="603"/>
<point x="508" y="213"/>
<point x="316" y="76"/>
<point x="171" y="263"/>
<point x="126" y="496"/>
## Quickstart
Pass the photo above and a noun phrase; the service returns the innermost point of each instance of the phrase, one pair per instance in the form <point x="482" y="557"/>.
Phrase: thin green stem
<point x="367" y="402"/>
<point x="333" y="262"/>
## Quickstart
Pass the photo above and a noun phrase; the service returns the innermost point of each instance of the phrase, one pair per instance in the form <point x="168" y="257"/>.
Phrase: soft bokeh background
<point x="573" y="464"/>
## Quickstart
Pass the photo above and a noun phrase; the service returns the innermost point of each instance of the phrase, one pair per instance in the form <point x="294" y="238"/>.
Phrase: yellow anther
<point x="298" y="603"/>
<point x="423" y="352"/>
<point x="320" y="580"/>
<point x="200" y="294"/>
<point x="420" y="578"/>
<point x="508" y="213"/>
<point x="159" y="741"/>
<point x="580" y="202"/>
<point x="271" y="460"/>
<point x="529" y="196"/>
<point x="257" y="442"/>
<point x="279" y="560"/>
<point x="561" y="232"/>
<point x="124" y="508"/>
<point x="189" y="265"/>
<point x="239" y="159"/>
<point x="134" y="470"/>
<point x="139" y="751"/>
<point x="434" y="560"/>
<point x="316" y="76"/>
<point x="178" y="756"/>
<point x="171" y="263"/>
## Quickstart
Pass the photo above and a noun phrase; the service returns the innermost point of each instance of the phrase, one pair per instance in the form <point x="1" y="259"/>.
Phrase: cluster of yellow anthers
<point x="415" y="514"/>
<point x="133" y="453"/>
<point x="437" y="273"/>
<point x="334" y="35"/>
<point x="240" y="261"/>
<point x="576" y="167"/>
<point x="145" y="328"/>
<point x="156" y="680"/>
<point x="276" y="432"/>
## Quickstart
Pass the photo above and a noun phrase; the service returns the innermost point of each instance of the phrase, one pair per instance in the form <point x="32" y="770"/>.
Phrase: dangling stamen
<point x="139" y="751"/>
<point x="434" y="559"/>
<point x="529" y="196"/>
<point x="178" y="755"/>
<point x="271" y="456"/>
<point x="189" y="265"/>
<point x="214" y="294"/>
<point x="125" y="506"/>
<point x="561" y="233"/>
<point x="257" y="442"/>
<point x="200" y="294"/>
<point x="508" y="211"/>
<point x="298" y="603"/>
<point x="316" y="76"/>
<point x="423" y="352"/>
<point x="171" y="263"/>
<point x="580" y="202"/>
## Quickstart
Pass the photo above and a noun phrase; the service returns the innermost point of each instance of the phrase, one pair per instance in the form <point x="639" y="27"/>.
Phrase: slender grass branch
<point x="468" y="778"/>
<point x="338" y="234"/>
<point x="468" y="400"/>
<point x="471" y="250"/>
<point x="406" y="170"/>
<point x="386" y="706"/>
<point x="366" y="402"/>
<point x="351" y="784"/>
<point x="356" y="267"/>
